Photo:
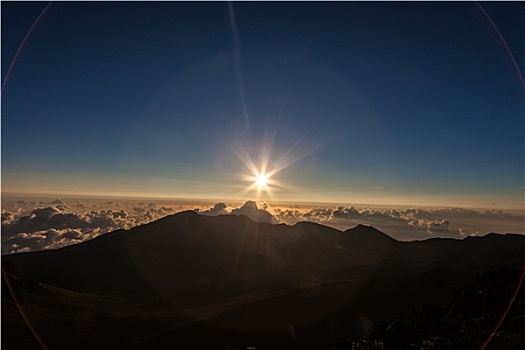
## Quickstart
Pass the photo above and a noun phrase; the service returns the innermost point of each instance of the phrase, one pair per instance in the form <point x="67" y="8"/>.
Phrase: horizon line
<point x="289" y="203"/>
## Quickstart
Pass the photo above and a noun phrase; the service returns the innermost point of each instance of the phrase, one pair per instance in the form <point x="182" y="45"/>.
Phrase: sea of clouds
<point x="38" y="225"/>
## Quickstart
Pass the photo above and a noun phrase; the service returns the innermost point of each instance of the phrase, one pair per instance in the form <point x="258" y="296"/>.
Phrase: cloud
<point x="290" y="216"/>
<point x="7" y="216"/>
<point x="256" y="212"/>
<point x="56" y="224"/>
<point x="43" y="219"/>
<point x="46" y="239"/>
<point x="218" y="209"/>
<point x="251" y="210"/>
<point x="433" y="226"/>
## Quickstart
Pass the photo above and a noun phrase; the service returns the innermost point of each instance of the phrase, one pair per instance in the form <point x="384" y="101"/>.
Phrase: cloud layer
<point x="30" y="226"/>
<point x="402" y="224"/>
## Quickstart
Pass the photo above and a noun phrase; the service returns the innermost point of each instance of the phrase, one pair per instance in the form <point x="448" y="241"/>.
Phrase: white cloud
<point x="47" y="239"/>
<point x="28" y="226"/>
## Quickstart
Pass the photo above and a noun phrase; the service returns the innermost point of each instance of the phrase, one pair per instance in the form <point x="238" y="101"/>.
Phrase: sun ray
<point x="263" y="166"/>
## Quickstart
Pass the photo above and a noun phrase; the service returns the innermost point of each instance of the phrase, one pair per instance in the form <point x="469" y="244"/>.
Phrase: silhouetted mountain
<point x="367" y="235"/>
<point x="232" y="280"/>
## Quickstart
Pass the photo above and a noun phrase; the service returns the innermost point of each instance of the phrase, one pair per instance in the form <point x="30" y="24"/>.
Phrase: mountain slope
<point x="220" y="250"/>
<point x="192" y="273"/>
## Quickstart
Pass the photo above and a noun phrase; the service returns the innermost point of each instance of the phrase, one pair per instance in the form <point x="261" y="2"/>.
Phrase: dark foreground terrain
<point x="196" y="282"/>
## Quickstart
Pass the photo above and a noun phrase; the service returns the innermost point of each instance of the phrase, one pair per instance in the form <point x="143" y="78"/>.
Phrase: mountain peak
<point x="368" y="231"/>
<point x="181" y="214"/>
<point x="180" y="217"/>
<point x="188" y="213"/>
<point x="364" y="236"/>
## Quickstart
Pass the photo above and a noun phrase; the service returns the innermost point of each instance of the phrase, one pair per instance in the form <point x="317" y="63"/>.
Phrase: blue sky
<point x="408" y="103"/>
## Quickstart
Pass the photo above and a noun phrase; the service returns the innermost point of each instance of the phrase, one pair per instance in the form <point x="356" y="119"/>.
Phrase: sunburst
<point x="263" y="166"/>
<point x="261" y="180"/>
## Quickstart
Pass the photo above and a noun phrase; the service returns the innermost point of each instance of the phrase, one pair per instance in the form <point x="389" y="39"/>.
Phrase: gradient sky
<point x="386" y="103"/>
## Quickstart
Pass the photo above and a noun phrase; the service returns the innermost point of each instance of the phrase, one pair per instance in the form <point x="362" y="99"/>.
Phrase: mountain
<point x="193" y="281"/>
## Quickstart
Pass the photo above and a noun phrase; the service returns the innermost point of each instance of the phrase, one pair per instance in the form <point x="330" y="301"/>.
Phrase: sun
<point x="261" y="180"/>
<point x="261" y="172"/>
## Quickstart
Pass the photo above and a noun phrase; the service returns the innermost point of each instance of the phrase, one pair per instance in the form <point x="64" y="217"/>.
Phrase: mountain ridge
<point x="358" y="230"/>
<point x="185" y="238"/>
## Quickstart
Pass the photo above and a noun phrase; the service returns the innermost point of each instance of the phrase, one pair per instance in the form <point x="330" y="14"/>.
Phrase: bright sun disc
<point x="261" y="180"/>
